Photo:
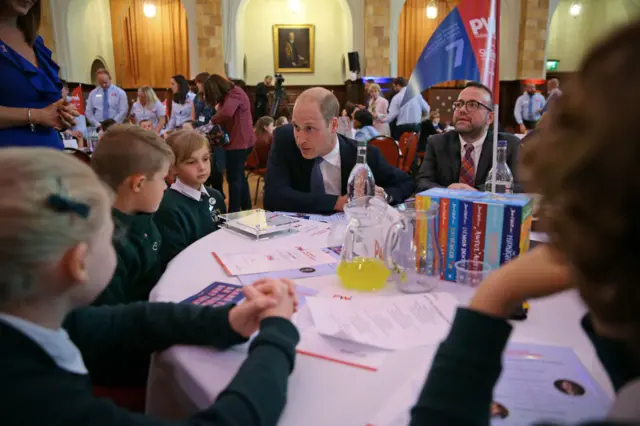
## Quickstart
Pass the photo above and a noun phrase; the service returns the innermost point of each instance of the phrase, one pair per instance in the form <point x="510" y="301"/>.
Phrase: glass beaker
<point x="412" y="251"/>
<point x="362" y="264"/>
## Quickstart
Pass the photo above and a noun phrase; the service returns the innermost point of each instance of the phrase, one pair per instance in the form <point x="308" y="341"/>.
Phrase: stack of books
<point x="480" y="226"/>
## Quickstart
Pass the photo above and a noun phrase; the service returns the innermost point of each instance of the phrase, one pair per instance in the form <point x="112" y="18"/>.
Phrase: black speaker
<point x="354" y="61"/>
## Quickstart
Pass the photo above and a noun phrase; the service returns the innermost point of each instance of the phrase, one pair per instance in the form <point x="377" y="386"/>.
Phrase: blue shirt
<point x="203" y="112"/>
<point x="118" y="105"/>
<point x="529" y="107"/>
<point x="153" y="114"/>
<point x="410" y="113"/>
<point x="181" y="112"/>
<point x="366" y="133"/>
<point x="25" y="86"/>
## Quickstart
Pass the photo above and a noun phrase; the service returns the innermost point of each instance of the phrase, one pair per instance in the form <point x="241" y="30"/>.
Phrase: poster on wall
<point x="294" y="48"/>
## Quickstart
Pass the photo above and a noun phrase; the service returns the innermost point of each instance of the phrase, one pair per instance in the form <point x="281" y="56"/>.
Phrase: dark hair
<point x="578" y="154"/>
<point x="183" y="89"/>
<point x="192" y="86"/>
<point x="64" y="83"/>
<point x="29" y="24"/>
<point x="201" y="78"/>
<point x="104" y="125"/>
<point x="370" y="80"/>
<point x="400" y="81"/>
<point x="481" y="87"/>
<point x="216" y="88"/>
<point x="349" y="108"/>
<point x="261" y="124"/>
<point x="364" y="117"/>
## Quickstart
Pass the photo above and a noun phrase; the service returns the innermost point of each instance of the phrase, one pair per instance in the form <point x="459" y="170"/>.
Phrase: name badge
<point x="98" y="95"/>
<point x="201" y="119"/>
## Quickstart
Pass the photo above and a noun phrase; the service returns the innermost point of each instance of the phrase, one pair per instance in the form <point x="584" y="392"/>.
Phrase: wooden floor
<point x="253" y="181"/>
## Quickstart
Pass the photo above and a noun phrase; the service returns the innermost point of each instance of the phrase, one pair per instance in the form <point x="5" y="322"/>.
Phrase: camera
<point x="279" y="80"/>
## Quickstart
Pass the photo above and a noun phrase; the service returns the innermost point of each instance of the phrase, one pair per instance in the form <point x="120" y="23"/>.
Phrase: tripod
<point x="276" y="103"/>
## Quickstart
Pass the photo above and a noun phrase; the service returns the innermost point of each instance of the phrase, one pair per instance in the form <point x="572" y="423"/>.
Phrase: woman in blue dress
<point x="31" y="107"/>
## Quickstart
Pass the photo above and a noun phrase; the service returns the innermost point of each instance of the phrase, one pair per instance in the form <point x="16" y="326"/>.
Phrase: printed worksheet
<point x="395" y="322"/>
<point x="272" y="259"/>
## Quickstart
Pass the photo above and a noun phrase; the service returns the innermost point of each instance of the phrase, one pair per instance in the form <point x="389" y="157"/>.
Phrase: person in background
<point x="261" y="98"/>
<point x="189" y="210"/>
<point x="193" y="87"/>
<point x="367" y="91"/>
<point x="182" y="104"/>
<point x="234" y="116"/>
<point x="575" y="153"/>
<point x="528" y="109"/>
<point x="428" y="128"/>
<point x="31" y="110"/>
<point x="56" y="256"/>
<point x="107" y="101"/>
<point x="264" y="129"/>
<point x="202" y="114"/>
<point x="345" y="122"/>
<point x="281" y="121"/>
<point x="133" y="162"/>
<point x="310" y="163"/>
<point x="146" y="125"/>
<point x="408" y="117"/>
<point x="461" y="159"/>
<point x="264" y="139"/>
<point x="79" y="131"/>
<point x="149" y="108"/>
<point x="378" y="106"/>
<point x="553" y="91"/>
<point x="363" y="123"/>
<point x="104" y="126"/>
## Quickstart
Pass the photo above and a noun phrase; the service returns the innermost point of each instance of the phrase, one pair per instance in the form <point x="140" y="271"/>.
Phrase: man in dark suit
<point x="261" y="98"/>
<point x="309" y="163"/>
<point x="462" y="158"/>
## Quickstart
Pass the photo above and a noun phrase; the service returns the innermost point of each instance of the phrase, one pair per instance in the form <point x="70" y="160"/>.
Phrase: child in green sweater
<point x="56" y="256"/>
<point x="134" y="163"/>
<point x="189" y="210"/>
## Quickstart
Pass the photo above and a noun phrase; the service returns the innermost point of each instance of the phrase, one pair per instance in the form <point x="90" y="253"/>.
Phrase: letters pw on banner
<point x="463" y="47"/>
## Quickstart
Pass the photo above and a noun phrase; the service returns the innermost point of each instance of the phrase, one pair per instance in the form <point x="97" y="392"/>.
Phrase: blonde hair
<point x="281" y="121"/>
<point x="34" y="233"/>
<point x="183" y="143"/>
<point x="375" y="86"/>
<point x="151" y="96"/>
<point x="434" y="114"/>
<point x="126" y="150"/>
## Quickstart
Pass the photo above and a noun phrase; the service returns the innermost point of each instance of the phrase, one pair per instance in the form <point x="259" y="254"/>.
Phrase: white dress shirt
<point x="477" y="150"/>
<point x="56" y="343"/>
<point x="522" y="109"/>
<point x="181" y="112"/>
<point x="190" y="192"/>
<point x="118" y="105"/>
<point x="332" y="171"/>
<point x="410" y="113"/>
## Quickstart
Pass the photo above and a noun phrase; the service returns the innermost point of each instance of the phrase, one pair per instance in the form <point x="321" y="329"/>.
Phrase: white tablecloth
<point x="185" y="379"/>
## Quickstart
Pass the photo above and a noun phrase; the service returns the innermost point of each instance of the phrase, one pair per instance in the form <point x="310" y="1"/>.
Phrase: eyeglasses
<point x="472" y="106"/>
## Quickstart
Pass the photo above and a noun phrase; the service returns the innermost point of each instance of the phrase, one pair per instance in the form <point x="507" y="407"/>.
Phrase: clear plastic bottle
<point x="92" y="138"/>
<point x="504" y="177"/>
<point x="361" y="182"/>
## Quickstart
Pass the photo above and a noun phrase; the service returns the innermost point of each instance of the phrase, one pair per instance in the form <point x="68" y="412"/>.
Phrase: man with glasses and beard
<point x="469" y="145"/>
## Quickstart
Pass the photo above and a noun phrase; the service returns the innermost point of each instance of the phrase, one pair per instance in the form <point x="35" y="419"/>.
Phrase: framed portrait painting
<point x="294" y="48"/>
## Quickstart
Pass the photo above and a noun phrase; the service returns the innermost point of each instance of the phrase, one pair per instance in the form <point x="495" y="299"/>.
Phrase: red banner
<point x="77" y="100"/>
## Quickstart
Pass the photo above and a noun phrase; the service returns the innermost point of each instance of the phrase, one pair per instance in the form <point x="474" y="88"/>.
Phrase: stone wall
<point x="376" y="37"/>
<point x="534" y="15"/>
<point x="210" y="42"/>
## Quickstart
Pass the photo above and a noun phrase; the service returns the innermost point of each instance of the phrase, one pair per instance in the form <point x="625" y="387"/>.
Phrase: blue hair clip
<point x="63" y="204"/>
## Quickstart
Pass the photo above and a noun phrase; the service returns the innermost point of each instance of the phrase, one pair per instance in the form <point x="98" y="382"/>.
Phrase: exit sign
<point x="552" y="65"/>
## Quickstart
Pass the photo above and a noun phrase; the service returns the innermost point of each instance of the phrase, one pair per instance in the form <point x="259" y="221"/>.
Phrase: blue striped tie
<point x="531" y="116"/>
<point x="317" y="182"/>
<point x="105" y="104"/>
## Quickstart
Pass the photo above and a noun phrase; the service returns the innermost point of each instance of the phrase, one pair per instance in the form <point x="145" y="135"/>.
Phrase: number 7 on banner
<point x="458" y="45"/>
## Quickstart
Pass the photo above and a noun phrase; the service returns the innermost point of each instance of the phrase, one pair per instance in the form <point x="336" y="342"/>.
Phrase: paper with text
<point x="395" y="322"/>
<point x="273" y="259"/>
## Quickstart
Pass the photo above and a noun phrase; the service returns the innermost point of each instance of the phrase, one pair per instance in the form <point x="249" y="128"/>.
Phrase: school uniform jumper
<point x="186" y="215"/>
<point x="39" y="387"/>
<point x="137" y="242"/>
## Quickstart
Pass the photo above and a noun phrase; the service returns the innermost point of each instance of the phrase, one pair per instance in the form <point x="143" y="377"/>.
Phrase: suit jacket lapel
<point x="347" y="161"/>
<point x="455" y="156"/>
<point x="486" y="156"/>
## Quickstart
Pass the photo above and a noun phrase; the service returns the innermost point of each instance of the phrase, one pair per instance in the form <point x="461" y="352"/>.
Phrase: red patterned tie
<point x="467" y="170"/>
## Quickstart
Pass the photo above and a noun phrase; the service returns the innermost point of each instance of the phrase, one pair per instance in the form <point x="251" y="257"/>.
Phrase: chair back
<point x="409" y="147"/>
<point x="388" y="148"/>
<point x="261" y="150"/>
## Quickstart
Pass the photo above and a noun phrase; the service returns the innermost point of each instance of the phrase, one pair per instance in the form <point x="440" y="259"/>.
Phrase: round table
<point x="185" y="379"/>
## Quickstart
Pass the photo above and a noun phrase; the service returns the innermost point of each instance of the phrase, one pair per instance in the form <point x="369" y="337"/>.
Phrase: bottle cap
<point x="502" y="143"/>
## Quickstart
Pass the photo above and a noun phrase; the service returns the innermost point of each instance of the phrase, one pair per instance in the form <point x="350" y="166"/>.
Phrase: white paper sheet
<point x="335" y="350"/>
<point x="272" y="260"/>
<point x="336" y="217"/>
<point x="396" y="322"/>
